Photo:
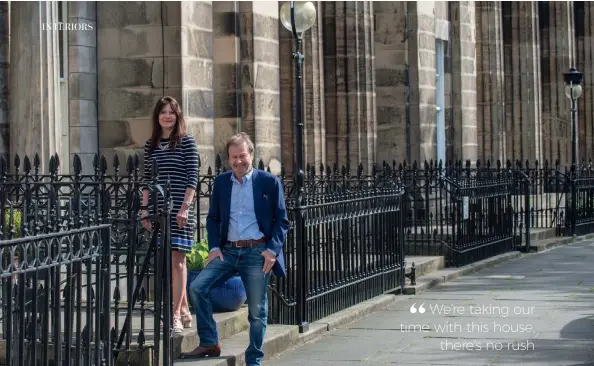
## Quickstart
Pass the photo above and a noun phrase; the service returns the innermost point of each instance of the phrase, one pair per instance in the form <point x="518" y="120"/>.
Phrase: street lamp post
<point x="298" y="17"/>
<point x="573" y="91"/>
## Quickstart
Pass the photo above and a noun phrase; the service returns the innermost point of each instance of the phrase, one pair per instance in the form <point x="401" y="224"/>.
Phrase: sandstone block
<point x="128" y="13"/>
<point x="85" y="38"/>
<point x="266" y="51"/>
<point x="266" y="77"/>
<point x="199" y="103"/>
<point x="197" y="13"/>
<point x="196" y="43"/>
<point x="83" y="139"/>
<point x="83" y="113"/>
<point x="197" y="73"/>
<point x="120" y="104"/>
<point x="82" y="59"/>
<point x="84" y="10"/>
<point x="123" y="72"/>
<point x="83" y="85"/>
<point x="141" y="41"/>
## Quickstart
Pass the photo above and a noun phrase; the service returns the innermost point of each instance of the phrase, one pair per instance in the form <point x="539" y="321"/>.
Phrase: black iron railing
<point x="76" y="267"/>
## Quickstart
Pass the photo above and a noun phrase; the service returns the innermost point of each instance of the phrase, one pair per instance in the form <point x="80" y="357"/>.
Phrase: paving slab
<point x="537" y="309"/>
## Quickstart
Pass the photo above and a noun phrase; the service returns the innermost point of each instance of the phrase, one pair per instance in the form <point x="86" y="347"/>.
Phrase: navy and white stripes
<point x="180" y="164"/>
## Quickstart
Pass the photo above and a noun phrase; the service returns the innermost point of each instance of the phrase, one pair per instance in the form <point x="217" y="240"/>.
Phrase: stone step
<point x="228" y="325"/>
<point x="278" y="338"/>
<point x="424" y="264"/>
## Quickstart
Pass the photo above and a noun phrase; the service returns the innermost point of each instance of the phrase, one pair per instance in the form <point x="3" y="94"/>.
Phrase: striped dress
<point x="181" y="166"/>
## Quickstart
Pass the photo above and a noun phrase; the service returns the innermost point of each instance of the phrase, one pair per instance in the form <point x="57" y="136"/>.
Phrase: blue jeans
<point x="249" y="263"/>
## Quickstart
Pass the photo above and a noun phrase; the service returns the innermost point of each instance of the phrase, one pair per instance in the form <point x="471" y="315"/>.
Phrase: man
<point x="247" y="226"/>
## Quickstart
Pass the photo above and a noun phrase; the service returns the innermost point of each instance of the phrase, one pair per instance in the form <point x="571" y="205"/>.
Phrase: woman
<point x="177" y="158"/>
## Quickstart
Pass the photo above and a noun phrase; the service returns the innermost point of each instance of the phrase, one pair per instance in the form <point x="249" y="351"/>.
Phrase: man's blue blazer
<point x="271" y="213"/>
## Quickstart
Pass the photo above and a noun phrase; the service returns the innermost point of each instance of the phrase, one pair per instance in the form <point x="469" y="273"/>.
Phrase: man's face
<point x="240" y="159"/>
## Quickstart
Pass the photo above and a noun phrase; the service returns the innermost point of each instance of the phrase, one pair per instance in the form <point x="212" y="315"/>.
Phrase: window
<point x="439" y="101"/>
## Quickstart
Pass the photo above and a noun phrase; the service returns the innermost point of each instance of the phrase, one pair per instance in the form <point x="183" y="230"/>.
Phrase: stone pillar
<point x="421" y="61"/>
<point x="584" y="35"/>
<point x="463" y="40"/>
<point x="349" y="82"/>
<point x="259" y="62"/>
<point x="226" y="73"/>
<point x="314" y="139"/>
<point x="82" y="75"/>
<point x="4" y="66"/>
<point x="556" y="24"/>
<point x="34" y="94"/>
<point x="197" y="75"/>
<point x="490" y="85"/>
<point x="522" y="81"/>
<point x="153" y="49"/>
<point x="391" y="79"/>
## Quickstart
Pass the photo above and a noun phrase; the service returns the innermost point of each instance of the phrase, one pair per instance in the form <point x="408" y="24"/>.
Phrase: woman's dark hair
<point x="179" y="130"/>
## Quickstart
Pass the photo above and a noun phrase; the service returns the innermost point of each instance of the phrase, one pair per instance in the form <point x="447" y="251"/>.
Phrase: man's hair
<point x="238" y="140"/>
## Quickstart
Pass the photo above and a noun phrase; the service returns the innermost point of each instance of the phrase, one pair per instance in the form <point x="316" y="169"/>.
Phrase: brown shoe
<point x="202" y="352"/>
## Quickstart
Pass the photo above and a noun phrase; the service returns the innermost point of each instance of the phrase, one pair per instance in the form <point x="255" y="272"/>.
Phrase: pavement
<point x="537" y="309"/>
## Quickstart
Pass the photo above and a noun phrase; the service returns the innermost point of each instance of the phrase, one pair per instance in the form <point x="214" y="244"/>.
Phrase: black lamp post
<point x="573" y="91"/>
<point x="298" y="17"/>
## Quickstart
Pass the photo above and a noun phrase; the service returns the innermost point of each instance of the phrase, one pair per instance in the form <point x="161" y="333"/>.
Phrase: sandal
<point x="187" y="320"/>
<point x="178" y="327"/>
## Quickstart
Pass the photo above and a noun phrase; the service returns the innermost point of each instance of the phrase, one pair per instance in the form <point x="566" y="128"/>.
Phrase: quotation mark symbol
<point x="421" y="309"/>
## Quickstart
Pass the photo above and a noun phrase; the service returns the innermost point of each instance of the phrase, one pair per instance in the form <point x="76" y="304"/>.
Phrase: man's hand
<point x="145" y="222"/>
<point x="269" y="260"/>
<point x="212" y="255"/>
<point x="182" y="217"/>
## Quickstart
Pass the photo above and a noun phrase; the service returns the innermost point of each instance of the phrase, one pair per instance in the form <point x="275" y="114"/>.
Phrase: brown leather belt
<point x="246" y="243"/>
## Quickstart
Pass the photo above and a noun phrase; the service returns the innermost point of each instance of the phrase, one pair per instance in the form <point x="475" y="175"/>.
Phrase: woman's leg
<point x="179" y="277"/>
<point x="185" y="308"/>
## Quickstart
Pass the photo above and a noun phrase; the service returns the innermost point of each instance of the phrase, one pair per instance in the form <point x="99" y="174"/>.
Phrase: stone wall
<point x="4" y="66"/>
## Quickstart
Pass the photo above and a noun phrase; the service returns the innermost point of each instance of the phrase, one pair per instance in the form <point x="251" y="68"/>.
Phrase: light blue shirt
<point x="243" y="224"/>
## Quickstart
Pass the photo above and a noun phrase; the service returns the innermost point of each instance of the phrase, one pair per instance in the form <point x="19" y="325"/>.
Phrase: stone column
<point x="349" y="82"/>
<point x="391" y="79"/>
<point x="463" y="40"/>
<point x="197" y="75"/>
<point x="584" y="32"/>
<point x="259" y="62"/>
<point x="421" y="61"/>
<point x="522" y="81"/>
<point x="557" y="47"/>
<point x="489" y="85"/>
<point x="226" y="73"/>
<point x="82" y="79"/>
<point x="4" y="66"/>
<point x="34" y="94"/>
<point x="314" y="139"/>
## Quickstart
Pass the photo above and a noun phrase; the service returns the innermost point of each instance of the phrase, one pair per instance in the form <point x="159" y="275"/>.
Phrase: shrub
<point x="197" y="256"/>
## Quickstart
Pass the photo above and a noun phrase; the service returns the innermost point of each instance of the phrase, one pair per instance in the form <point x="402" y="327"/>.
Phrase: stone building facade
<point x="382" y="80"/>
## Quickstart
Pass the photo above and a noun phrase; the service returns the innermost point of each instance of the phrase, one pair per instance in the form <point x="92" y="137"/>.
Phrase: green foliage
<point x="16" y="220"/>
<point x="197" y="256"/>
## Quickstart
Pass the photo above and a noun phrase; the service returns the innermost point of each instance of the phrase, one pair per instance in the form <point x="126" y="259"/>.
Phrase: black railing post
<point x="573" y="217"/>
<point x="527" y="211"/>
